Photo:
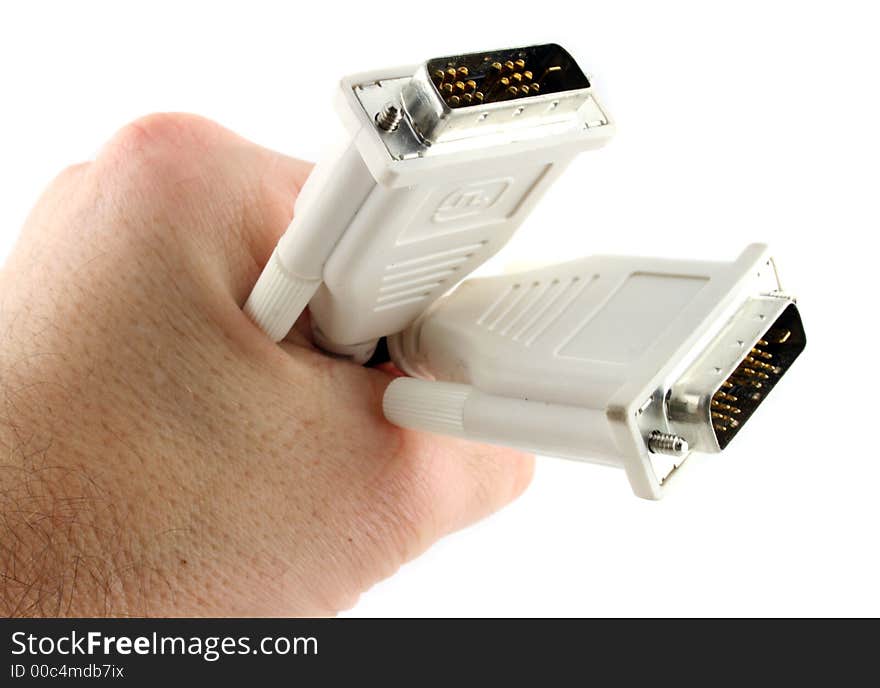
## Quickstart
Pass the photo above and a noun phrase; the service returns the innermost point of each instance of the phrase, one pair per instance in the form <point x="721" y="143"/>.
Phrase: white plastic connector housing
<point x="394" y="221"/>
<point x="581" y="360"/>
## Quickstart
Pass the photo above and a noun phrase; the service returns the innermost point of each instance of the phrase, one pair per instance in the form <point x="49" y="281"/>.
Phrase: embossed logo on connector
<point x="470" y="200"/>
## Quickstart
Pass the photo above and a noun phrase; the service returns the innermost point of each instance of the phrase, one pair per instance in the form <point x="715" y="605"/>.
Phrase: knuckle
<point x="160" y="130"/>
<point x="499" y="475"/>
<point x="71" y="174"/>
<point x="65" y="185"/>
<point x="437" y="489"/>
<point x="160" y="145"/>
<point x="522" y="474"/>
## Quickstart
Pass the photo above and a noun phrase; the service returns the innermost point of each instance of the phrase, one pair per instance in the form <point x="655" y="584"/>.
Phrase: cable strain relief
<point x="278" y="299"/>
<point x="425" y="405"/>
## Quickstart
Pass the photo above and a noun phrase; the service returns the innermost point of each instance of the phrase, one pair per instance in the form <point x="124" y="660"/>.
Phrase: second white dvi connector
<point x="442" y="163"/>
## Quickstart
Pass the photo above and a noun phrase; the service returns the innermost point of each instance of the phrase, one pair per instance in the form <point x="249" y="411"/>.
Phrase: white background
<point x="755" y="121"/>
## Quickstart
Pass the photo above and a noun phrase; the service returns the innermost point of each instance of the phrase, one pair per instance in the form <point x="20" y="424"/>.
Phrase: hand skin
<point x="162" y="457"/>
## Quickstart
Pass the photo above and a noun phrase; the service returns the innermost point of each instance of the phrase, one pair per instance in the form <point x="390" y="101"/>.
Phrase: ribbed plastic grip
<point x="278" y="299"/>
<point x="424" y="405"/>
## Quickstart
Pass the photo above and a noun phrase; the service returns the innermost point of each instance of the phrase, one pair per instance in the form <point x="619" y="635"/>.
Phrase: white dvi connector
<point x="441" y="165"/>
<point x="629" y="361"/>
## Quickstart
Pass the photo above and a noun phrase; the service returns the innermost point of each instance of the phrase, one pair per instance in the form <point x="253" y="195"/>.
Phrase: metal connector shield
<point x="454" y="97"/>
<point x="717" y="395"/>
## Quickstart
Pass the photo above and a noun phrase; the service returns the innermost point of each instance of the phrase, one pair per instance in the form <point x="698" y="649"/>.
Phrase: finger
<point x="451" y="483"/>
<point x="421" y="486"/>
<point x="461" y="482"/>
<point x="342" y="484"/>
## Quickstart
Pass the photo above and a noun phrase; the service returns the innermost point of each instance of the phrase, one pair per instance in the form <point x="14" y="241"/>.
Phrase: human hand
<point x="160" y="455"/>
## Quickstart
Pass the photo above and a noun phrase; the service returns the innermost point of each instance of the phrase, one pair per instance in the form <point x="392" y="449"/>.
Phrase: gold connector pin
<point x="760" y="368"/>
<point x="751" y="372"/>
<point x="726" y="407"/>
<point x="549" y="71"/>
<point x="743" y="382"/>
<point x="727" y="420"/>
<point x="779" y="336"/>
<point x="760" y="365"/>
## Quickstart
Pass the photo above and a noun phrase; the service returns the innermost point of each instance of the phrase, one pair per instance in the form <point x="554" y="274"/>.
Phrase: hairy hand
<point x="160" y="456"/>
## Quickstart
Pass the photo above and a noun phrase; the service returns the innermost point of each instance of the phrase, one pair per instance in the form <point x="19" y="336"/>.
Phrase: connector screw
<point x="389" y="118"/>
<point x="667" y="443"/>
